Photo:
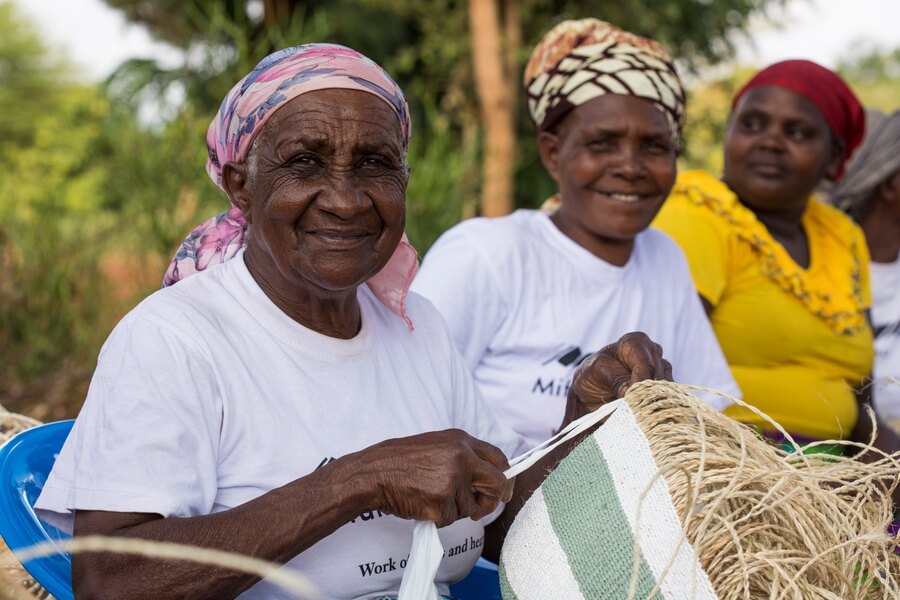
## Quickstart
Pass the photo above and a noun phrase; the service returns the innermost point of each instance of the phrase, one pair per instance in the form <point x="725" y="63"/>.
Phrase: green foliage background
<point x="94" y="200"/>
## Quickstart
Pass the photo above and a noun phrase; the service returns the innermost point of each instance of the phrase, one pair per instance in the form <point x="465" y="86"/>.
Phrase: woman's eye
<point x="657" y="148"/>
<point x="305" y="160"/>
<point x="799" y="133"/>
<point x="376" y="163"/>
<point x="753" y="124"/>
<point x="601" y="145"/>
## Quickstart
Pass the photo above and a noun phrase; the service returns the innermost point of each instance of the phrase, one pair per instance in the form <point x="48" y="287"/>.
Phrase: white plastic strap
<point x="426" y="552"/>
<point x="573" y="429"/>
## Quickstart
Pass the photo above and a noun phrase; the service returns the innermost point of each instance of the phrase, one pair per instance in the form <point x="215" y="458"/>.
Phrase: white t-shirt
<point x="525" y="304"/>
<point x="886" y="323"/>
<point x="206" y="396"/>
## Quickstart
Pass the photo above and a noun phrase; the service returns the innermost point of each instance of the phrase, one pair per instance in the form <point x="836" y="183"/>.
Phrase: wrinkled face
<point x="614" y="161"/>
<point x="326" y="203"/>
<point x="777" y="149"/>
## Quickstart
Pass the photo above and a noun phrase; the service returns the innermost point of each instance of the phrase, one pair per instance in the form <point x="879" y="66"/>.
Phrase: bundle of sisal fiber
<point x="12" y="423"/>
<point x="669" y="499"/>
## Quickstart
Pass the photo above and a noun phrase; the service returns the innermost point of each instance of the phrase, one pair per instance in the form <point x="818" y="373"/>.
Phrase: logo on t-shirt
<point x="883" y="339"/>
<point x="325" y="461"/>
<point x="887" y="329"/>
<point x="555" y="377"/>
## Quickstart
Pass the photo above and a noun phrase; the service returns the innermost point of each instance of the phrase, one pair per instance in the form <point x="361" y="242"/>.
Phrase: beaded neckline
<point x="822" y="288"/>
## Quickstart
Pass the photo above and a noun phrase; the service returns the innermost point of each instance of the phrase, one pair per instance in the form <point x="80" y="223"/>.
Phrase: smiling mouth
<point x="627" y="197"/>
<point x="767" y="169"/>
<point x="341" y="237"/>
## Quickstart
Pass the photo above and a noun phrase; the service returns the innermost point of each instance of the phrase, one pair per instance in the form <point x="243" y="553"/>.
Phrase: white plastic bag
<point x="424" y="559"/>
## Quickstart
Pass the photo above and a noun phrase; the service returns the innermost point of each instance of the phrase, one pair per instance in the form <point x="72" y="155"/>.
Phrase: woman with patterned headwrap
<point x="870" y="193"/>
<point x="281" y="405"/>
<point x="784" y="277"/>
<point x="529" y="295"/>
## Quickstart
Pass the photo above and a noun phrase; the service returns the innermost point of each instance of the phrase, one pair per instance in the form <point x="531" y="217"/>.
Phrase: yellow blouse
<point x="797" y="340"/>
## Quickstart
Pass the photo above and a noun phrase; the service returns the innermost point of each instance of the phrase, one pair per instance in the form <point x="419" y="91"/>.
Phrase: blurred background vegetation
<point x="101" y="182"/>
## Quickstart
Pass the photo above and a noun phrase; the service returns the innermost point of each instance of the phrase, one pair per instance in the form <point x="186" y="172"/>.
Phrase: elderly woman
<point x="529" y="295"/>
<point x="783" y="276"/>
<point x="870" y="193"/>
<point x="281" y="405"/>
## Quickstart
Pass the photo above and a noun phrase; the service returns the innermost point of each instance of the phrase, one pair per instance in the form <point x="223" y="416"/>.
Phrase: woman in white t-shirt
<point x="870" y="193"/>
<point x="529" y="295"/>
<point x="281" y="405"/>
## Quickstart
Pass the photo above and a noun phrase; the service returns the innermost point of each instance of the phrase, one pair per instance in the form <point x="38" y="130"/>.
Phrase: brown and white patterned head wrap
<point x="578" y="61"/>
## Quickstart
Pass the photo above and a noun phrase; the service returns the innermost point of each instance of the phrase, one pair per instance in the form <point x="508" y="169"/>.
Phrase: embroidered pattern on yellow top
<point x="842" y="309"/>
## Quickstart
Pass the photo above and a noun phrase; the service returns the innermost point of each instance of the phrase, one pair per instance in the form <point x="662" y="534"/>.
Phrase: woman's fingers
<point x="485" y="505"/>
<point x="640" y="355"/>
<point x="443" y="476"/>
<point x="667" y="371"/>
<point x="487" y="485"/>
<point x="489" y="453"/>
<point x="607" y="374"/>
<point x="489" y="480"/>
<point x="466" y="505"/>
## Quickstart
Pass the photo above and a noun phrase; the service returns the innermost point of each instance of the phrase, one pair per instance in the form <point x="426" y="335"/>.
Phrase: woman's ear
<point x="885" y="200"/>
<point x="236" y="182"/>
<point x="888" y="191"/>
<point x="548" y="145"/>
<point x="838" y="154"/>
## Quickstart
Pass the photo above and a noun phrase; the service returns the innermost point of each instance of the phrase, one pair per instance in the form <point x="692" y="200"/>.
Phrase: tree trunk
<point x="512" y="41"/>
<point x="493" y="89"/>
<point x="276" y="10"/>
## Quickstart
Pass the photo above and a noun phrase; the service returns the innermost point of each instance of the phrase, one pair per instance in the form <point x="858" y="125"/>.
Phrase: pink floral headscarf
<point x="277" y="79"/>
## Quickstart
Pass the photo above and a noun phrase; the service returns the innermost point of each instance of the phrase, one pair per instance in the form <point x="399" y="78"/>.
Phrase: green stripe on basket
<point x="506" y="590"/>
<point x="581" y="491"/>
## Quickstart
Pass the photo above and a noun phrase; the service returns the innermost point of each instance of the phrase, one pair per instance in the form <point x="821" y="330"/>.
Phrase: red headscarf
<point x="824" y="88"/>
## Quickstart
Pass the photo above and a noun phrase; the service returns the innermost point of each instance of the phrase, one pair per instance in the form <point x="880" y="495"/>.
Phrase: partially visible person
<point x="529" y="295"/>
<point x="281" y="405"/>
<point x="785" y="277"/>
<point x="870" y="193"/>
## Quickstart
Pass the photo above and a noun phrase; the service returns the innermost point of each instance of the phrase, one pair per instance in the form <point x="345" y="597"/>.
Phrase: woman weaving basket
<point x="281" y="405"/>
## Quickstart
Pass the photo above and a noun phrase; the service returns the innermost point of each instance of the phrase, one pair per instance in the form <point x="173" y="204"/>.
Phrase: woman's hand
<point x="601" y="378"/>
<point x="441" y="476"/>
<point x="607" y="374"/>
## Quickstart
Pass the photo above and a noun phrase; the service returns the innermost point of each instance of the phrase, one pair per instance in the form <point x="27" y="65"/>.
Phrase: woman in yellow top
<point x="784" y="277"/>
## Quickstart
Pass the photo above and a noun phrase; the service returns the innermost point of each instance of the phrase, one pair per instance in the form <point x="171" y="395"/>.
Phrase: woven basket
<point x="671" y="500"/>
